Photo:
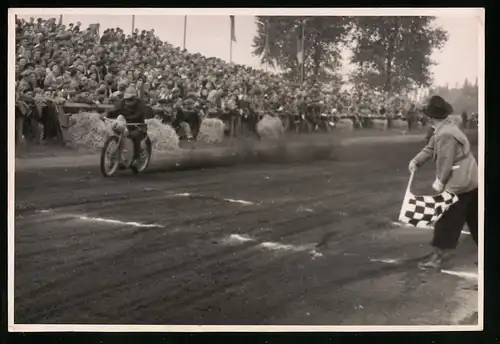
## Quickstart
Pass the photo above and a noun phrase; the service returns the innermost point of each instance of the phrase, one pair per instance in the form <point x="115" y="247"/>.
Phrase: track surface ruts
<point x="71" y="266"/>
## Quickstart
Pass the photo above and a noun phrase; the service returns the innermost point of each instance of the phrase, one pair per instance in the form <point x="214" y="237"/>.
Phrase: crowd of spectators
<point x="70" y="63"/>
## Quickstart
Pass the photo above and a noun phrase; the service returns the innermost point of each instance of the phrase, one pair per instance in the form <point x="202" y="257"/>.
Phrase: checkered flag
<point x="422" y="211"/>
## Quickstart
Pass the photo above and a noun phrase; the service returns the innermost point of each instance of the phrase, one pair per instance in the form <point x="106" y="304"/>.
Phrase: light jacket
<point x="456" y="166"/>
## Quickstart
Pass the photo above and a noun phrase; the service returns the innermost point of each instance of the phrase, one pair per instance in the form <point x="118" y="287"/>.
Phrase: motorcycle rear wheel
<point x="145" y="158"/>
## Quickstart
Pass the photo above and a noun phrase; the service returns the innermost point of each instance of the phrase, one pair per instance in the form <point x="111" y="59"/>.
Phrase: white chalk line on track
<point x="238" y="201"/>
<point x="118" y="222"/>
<point x="386" y="261"/>
<point x="230" y="200"/>
<point x="403" y="225"/>
<point x="461" y="274"/>
<point x="237" y="238"/>
<point x="273" y="246"/>
<point x="104" y="220"/>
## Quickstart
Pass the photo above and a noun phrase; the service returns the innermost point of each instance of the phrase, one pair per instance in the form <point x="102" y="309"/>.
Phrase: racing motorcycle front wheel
<point x="110" y="156"/>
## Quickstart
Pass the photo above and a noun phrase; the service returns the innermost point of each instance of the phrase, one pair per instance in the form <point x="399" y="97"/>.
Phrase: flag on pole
<point x="185" y="28"/>
<point x="423" y="211"/>
<point x="233" y="32"/>
<point x="300" y="44"/>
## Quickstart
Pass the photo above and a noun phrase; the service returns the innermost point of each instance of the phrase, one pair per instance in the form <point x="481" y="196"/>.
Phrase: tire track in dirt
<point x="127" y="275"/>
<point x="306" y="224"/>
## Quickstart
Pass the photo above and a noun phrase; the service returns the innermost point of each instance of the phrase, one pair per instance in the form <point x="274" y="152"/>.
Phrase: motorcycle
<point x="120" y="157"/>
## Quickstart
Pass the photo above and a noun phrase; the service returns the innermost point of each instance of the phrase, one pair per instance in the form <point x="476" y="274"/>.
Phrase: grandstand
<point x="59" y="64"/>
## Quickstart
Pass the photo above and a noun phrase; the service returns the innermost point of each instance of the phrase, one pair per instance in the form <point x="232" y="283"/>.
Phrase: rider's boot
<point x="137" y="153"/>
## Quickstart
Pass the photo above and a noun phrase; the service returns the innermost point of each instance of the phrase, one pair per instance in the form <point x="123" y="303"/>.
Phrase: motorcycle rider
<point x="134" y="110"/>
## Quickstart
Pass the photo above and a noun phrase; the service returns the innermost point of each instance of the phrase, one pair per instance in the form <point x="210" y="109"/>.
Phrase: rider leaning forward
<point x="134" y="110"/>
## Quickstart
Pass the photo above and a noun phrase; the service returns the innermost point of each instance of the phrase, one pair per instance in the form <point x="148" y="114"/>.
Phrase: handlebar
<point x="126" y="123"/>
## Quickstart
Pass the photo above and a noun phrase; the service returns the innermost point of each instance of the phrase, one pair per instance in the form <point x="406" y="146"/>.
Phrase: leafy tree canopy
<point x="393" y="53"/>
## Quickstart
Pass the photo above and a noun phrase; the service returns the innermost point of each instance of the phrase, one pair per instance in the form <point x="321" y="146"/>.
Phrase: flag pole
<point x="133" y="23"/>
<point x="265" y="51"/>
<point x="267" y="44"/>
<point x="185" y="27"/>
<point x="230" y="42"/>
<point x="303" y="53"/>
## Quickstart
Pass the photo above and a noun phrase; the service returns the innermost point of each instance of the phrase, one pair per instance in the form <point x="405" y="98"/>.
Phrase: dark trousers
<point x="449" y="227"/>
<point x="136" y="135"/>
<point x="50" y="121"/>
<point x="192" y="118"/>
<point x="410" y="121"/>
<point x="30" y="129"/>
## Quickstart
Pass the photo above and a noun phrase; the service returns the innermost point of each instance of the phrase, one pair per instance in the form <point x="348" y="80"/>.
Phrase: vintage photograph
<point x="245" y="168"/>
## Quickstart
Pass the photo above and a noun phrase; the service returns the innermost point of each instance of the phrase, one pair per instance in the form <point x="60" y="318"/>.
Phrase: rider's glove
<point x="438" y="185"/>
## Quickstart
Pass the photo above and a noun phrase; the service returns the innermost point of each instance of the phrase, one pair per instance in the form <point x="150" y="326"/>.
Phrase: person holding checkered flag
<point x="456" y="181"/>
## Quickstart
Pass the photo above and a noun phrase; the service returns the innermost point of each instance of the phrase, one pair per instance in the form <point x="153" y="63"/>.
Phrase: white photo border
<point x="479" y="13"/>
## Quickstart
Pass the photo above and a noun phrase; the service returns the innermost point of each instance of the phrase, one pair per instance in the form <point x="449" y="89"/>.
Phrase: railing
<point x="74" y="108"/>
<point x="233" y="119"/>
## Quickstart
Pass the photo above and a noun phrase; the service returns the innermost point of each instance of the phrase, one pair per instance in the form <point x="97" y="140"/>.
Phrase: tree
<point x="396" y="49"/>
<point x="324" y="37"/>
<point x="462" y="99"/>
<point x="365" y="75"/>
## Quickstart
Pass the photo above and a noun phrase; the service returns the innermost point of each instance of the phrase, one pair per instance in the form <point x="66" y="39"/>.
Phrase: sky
<point x="209" y="35"/>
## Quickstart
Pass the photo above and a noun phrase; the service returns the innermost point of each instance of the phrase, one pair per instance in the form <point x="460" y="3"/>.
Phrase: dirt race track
<point x="304" y="242"/>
